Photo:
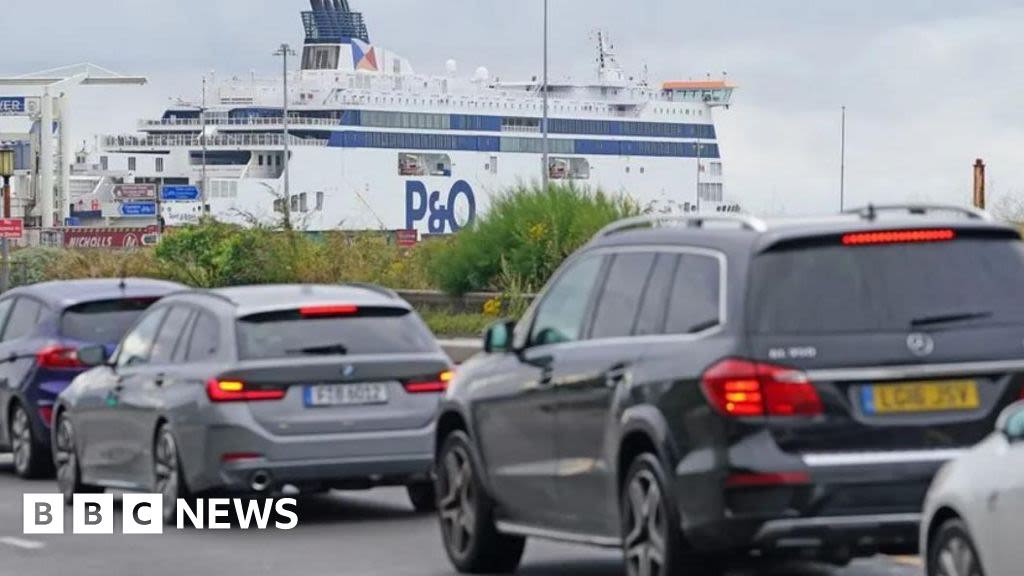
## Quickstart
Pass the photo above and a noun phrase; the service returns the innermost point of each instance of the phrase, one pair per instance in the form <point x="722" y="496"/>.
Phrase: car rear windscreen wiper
<point x="948" y="318"/>
<point x="326" y="350"/>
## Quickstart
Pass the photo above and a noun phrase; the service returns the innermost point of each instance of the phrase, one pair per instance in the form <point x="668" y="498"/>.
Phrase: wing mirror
<point x="93" y="356"/>
<point x="498" y="337"/>
<point x="1011" y="422"/>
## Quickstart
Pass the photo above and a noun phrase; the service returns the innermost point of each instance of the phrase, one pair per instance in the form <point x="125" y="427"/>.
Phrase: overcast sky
<point x="929" y="85"/>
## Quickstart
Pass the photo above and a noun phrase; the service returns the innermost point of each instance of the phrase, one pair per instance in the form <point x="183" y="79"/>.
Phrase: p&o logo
<point x="442" y="215"/>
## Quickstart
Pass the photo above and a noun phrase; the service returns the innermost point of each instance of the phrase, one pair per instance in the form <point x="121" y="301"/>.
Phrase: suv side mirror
<point x="93" y="356"/>
<point x="1011" y="423"/>
<point x="498" y="337"/>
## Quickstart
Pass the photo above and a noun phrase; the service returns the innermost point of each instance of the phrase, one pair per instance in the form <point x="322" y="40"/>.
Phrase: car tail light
<point x="327" y="311"/>
<point x="236" y="391"/>
<point x="898" y="237"/>
<point x="436" y="386"/>
<point x="59" y="357"/>
<point x="46" y="415"/>
<point x="770" y="479"/>
<point x="740" y="388"/>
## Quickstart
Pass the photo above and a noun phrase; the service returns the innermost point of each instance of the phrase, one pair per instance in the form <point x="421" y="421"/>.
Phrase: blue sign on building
<point x="139" y="209"/>
<point x="72" y="221"/>
<point x="179" y="193"/>
<point x="12" y="105"/>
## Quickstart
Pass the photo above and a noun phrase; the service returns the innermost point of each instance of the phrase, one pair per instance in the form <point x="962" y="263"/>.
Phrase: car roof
<point x="66" y="293"/>
<point x="742" y="233"/>
<point x="248" y="300"/>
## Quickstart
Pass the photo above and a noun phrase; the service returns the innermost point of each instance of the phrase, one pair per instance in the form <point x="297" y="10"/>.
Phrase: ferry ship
<point x="371" y="144"/>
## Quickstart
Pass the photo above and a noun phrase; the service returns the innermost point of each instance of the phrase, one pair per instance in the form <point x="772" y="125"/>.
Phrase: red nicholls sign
<point x="114" y="238"/>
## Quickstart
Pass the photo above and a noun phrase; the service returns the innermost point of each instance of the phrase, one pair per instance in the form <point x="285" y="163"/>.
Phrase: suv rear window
<point x="887" y="288"/>
<point x="370" y="331"/>
<point x="104" y="321"/>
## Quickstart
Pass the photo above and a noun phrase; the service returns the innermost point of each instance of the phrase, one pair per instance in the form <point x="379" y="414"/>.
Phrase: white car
<point x="973" y="523"/>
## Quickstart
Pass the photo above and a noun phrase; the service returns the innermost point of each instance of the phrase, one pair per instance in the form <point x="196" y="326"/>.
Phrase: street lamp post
<point x="545" y="175"/>
<point x="6" y="171"/>
<point x="202" y="113"/>
<point x="284" y="51"/>
<point x="842" y="167"/>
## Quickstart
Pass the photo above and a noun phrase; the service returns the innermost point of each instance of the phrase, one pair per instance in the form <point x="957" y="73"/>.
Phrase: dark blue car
<point x="41" y="328"/>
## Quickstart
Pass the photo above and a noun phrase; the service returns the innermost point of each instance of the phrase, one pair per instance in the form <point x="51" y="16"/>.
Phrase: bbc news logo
<point x="144" y="513"/>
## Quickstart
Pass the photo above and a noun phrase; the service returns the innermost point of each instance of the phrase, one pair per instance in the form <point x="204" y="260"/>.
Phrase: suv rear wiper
<point x="948" y="318"/>
<point x="325" y="350"/>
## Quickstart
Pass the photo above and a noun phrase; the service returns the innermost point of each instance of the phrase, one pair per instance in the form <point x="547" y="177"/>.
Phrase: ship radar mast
<point x="608" y="69"/>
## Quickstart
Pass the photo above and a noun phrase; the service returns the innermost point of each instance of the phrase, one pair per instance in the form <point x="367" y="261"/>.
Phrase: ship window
<point x="104" y="163"/>
<point x="493" y="165"/>
<point x="412" y="164"/>
<point x="131" y="163"/>
<point x="568" y="168"/>
<point x="716" y="168"/>
<point x="320" y="57"/>
<point x="159" y="164"/>
<point x="260" y="156"/>
<point x="303" y="206"/>
<point x="319" y="201"/>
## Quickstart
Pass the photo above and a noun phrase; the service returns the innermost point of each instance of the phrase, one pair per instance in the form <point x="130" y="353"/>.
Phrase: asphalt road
<point x="367" y="533"/>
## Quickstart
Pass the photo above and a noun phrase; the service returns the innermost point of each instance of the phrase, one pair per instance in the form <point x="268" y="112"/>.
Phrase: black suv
<point x="708" y="386"/>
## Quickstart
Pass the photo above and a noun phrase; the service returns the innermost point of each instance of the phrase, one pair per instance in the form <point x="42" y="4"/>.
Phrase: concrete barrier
<point x="472" y="303"/>
<point x="461" y="349"/>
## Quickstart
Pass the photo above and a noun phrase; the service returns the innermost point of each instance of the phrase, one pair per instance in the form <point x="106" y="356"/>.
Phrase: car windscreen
<point x="832" y="288"/>
<point x="368" y="331"/>
<point x="104" y="321"/>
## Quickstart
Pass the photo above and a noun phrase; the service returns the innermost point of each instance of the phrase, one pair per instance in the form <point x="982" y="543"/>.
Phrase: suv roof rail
<point x="920" y="209"/>
<point x="694" y="220"/>
<point x="201" y="292"/>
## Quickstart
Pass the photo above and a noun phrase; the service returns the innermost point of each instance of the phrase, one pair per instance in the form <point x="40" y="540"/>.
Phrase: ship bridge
<point x="713" y="93"/>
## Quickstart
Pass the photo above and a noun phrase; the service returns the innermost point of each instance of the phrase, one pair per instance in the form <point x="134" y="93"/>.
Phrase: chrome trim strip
<point x="698" y="219"/>
<point x="878" y="458"/>
<point x="829" y="522"/>
<point x="915" y="371"/>
<point x="557" y="535"/>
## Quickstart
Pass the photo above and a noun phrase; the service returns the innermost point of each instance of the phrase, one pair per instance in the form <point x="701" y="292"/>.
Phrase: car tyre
<point x="169" y="481"/>
<point x="466" y="513"/>
<point x="31" y="460"/>
<point x="952" y="552"/>
<point x="652" y="537"/>
<point x="66" y="461"/>
<point x="422" y="496"/>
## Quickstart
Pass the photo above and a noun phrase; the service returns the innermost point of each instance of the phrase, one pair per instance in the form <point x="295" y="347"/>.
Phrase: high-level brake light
<point x="327" y="311"/>
<point x="743" y="389"/>
<point x="898" y="237"/>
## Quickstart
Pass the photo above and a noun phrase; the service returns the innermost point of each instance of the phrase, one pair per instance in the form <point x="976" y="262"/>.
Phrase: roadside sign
<point x="116" y="238"/>
<point x="135" y="191"/>
<point x="180" y="193"/>
<point x="181" y="213"/>
<point x="139" y="209"/>
<point x="407" y="238"/>
<point x="72" y="221"/>
<point x="11" y="228"/>
<point x="18" y="105"/>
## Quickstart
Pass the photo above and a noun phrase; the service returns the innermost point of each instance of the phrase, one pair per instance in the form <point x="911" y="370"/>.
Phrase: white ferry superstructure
<point x="373" y="145"/>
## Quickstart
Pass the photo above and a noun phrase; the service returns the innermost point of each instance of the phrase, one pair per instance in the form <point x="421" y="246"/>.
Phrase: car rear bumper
<point x="228" y="457"/>
<point x="841" y="505"/>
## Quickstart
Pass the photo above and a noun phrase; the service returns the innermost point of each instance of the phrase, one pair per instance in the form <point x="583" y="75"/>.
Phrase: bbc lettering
<point x="143" y="514"/>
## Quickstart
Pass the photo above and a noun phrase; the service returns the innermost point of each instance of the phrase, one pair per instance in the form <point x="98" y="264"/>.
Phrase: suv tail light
<point x="742" y="389"/>
<point x="235" y="391"/>
<point x="59" y="357"/>
<point x="435" y="386"/>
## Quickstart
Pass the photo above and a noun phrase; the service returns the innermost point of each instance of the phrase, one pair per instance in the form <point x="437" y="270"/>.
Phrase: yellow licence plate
<point x="915" y="397"/>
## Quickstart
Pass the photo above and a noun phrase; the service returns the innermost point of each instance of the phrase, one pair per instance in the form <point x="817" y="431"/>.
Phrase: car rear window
<point x="369" y="331"/>
<point x="893" y="287"/>
<point x="104" y="321"/>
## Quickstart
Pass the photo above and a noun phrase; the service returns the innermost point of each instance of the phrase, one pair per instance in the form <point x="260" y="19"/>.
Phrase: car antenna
<point x="123" y="285"/>
<point x="871" y="215"/>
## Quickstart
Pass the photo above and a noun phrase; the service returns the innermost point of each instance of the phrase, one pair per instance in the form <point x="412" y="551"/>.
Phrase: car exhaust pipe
<point x="260" y="481"/>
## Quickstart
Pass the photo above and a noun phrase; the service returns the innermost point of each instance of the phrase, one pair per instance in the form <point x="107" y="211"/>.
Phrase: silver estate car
<point x="248" y="390"/>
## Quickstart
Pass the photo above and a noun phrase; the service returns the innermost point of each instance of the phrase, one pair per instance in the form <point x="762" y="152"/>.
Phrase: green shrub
<point x="74" y="264"/>
<point x="448" y="324"/>
<point x="32" y="265"/>
<point x="526" y="234"/>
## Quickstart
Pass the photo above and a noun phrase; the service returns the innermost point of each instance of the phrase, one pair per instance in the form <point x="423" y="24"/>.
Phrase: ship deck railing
<point x="220" y="140"/>
<point x="213" y="121"/>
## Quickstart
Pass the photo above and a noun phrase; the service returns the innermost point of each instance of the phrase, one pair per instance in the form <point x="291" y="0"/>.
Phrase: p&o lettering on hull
<point x="441" y="214"/>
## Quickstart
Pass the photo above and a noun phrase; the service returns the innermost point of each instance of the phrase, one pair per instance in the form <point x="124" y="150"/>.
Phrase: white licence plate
<point x="346" y="394"/>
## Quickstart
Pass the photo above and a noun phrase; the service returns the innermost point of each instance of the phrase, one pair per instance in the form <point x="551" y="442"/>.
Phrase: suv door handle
<point x="617" y="376"/>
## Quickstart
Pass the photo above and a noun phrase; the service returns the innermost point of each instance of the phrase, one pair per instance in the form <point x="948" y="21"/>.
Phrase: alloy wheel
<point x="645" y="526"/>
<point x="458" y="503"/>
<point x="165" y="469"/>
<point x="21" y="440"/>
<point x="956" y="558"/>
<point x="66" y="457"/>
